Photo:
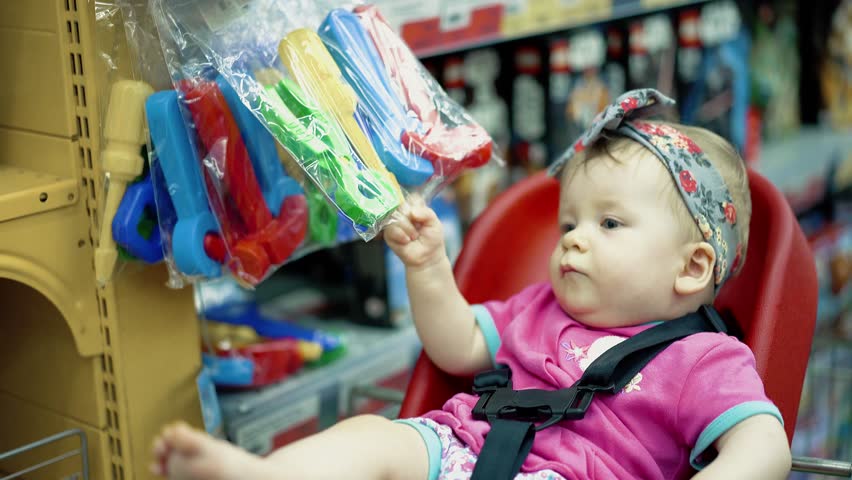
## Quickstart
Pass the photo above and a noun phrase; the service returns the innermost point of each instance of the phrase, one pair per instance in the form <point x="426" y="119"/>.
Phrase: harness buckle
<point x="546" y="407"/>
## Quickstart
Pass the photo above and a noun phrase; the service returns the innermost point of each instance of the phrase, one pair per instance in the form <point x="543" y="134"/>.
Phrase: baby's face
<point x="621" y="247"/>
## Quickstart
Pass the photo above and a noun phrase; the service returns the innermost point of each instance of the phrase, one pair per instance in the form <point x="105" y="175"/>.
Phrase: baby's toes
<point x="185" y="440"/>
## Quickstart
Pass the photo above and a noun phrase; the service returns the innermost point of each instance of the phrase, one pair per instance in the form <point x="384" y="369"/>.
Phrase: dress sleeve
<point x="493" y="316"/>
<point x="721" y="390"/>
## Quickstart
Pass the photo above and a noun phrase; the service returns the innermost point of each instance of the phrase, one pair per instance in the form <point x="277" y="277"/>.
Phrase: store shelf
<point x="315" y="398"/>
<point x="115" y="361"/>
<point x="365" y="346"/>
<point x="440" y="27"/>
<point x="25" y="192"/>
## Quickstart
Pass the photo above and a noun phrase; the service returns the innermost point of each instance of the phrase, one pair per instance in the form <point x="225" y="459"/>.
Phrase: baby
<point x="654" y="218"/>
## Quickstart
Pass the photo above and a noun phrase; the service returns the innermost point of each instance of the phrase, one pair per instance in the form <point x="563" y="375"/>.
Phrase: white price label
<point x="455" y="15"/>
<point x="720" y="22"/>
<point x="515" y="7"/>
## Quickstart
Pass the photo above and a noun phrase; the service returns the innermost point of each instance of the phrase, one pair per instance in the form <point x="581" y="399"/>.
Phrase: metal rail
<point x="82" y="452"/>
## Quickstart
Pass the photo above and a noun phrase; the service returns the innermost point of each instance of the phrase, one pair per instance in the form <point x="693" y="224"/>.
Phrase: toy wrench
<point x="309" y="135"/>
<point x="386" y="118"/>
<point x="450" y="148"/>
<point x="138" y="199"/>
<point x="176" y="153"/>
<point x="308" y="61"/>
<point x="274" y="184"/>
<point x="322" y="216"/>
<point x="256" y="239"/>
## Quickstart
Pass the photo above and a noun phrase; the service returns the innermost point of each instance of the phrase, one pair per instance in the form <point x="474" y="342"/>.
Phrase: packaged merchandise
<point x="295" y="125"/>
<point x="578" y="90"/>
<point x="775" y="69"/>
<point x="652" y="54"/>
<point x="475" y="188"/>
<point x="718" y="97"/>
<point x="836" y="70"/>
<point x="558" y="91"/>
<point x="615" y="69"/>
<point x="529" y="112"/>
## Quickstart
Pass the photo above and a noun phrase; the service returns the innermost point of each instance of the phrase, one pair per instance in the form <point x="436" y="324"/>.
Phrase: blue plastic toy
<point x="177" y="156"/>
<point x="274" y="183"/>
<point x="138" y="199"/>
<point x="352" y="49"/>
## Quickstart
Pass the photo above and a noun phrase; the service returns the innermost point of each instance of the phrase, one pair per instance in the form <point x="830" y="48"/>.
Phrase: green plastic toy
<point x="320" y="146"/>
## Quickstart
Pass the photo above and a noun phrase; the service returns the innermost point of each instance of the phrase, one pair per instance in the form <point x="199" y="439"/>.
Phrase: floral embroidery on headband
<point x="730" y="212"/>
<point x="687" y="182"/>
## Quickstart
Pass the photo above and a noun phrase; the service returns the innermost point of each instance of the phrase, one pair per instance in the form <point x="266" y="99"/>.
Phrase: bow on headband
<point x="700" y="185"/>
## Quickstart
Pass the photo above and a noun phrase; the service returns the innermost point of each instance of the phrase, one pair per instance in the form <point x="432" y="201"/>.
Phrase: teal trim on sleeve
<point x="724" y="422"/>
<point x="433" y="445"/>
<point x="488" y="329"/>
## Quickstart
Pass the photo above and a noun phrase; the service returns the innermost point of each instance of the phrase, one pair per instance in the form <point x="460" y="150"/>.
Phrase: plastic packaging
<point x="212" y="212"/>
<point x="246" y="347"/>
<point x="276" y="128"/>
<point x="337" y="89"/>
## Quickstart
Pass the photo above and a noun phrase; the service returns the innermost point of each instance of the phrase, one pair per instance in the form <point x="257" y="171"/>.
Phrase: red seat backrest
<point x="774" y="298"/>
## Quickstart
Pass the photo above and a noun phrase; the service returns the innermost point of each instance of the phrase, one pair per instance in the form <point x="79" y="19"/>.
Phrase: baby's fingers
<point x="423" y="214"/>
<point x="404" y="223"/>
<point x="396" y="235"/>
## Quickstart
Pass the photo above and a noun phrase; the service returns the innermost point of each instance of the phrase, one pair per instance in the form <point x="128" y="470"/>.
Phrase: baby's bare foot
<point x="183" y="453"/>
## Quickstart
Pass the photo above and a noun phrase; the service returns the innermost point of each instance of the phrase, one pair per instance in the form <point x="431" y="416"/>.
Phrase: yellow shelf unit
<point x="116" y="362"/>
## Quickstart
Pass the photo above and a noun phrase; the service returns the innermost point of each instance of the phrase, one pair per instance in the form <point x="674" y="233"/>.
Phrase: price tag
<point x="455" y="15"/>
<point x="720" y="22"/>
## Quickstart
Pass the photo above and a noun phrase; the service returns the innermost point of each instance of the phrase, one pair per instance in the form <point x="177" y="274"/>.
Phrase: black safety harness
<point x="513" y="414"/>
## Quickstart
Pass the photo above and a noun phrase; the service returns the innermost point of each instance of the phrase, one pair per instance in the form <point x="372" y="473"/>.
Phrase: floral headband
<point x="701" y="186"/>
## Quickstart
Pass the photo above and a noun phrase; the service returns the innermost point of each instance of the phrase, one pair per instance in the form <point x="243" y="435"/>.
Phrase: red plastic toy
<point x="254" y="238"/>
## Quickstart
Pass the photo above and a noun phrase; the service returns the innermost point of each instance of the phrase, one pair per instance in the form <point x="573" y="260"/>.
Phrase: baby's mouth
<point x="568" y="269"/>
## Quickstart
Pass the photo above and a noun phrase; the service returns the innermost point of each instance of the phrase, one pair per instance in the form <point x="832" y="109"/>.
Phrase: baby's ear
<point x="697" y="271"/>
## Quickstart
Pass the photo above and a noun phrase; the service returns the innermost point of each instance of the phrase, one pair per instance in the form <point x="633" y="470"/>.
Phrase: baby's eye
<point x="567" y="227"/>
<point x="610" y="223"/>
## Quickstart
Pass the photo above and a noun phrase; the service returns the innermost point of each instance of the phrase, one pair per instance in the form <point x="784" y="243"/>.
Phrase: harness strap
<point x="513" y="414"/>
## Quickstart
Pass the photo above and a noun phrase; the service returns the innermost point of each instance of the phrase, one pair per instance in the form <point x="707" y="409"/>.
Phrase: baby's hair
<point x="721" y="154"/>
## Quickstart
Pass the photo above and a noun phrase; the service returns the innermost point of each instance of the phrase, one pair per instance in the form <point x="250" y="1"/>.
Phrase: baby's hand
<point x="416" y="236"/>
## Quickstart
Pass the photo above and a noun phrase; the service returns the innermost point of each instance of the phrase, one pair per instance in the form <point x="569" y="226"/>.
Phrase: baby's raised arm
<point x="443" y="318"/>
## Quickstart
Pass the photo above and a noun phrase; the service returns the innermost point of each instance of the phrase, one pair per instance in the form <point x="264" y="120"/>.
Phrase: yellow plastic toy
<point x="310" y="64"/>
<point x="124" y="132"/>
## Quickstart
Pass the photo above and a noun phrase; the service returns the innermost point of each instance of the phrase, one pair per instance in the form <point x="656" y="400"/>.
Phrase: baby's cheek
<point x="553" y="266"/>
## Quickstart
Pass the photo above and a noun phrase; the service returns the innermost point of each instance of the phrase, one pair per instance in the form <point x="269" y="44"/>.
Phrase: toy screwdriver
<point x="124" y="132"/>
<point x="307" y="59"/>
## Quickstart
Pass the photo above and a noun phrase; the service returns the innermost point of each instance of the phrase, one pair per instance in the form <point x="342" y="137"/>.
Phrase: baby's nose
<point x="575" y="239"/>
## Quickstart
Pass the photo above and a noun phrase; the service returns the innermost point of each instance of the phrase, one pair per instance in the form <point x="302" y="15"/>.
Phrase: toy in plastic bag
<point x="338" y="89"/>
<point x="357" y="120"/>
<point x="246" y="346"/>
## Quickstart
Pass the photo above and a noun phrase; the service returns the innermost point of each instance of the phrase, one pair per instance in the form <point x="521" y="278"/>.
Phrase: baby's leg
<point x="364" y="447"/>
